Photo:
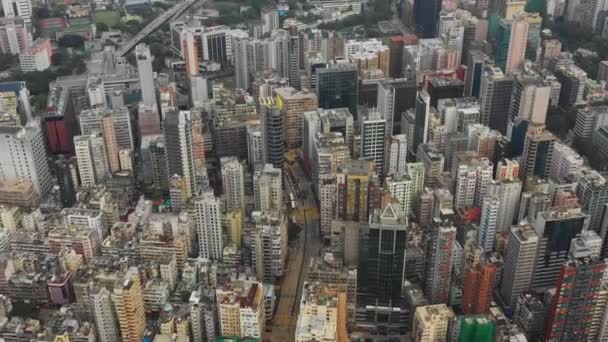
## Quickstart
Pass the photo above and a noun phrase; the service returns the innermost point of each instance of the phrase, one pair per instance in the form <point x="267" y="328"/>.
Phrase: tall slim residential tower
<point x="511" y="49"/>
<point x="382" y="263"/>
<point x="240" y="46"/>
<point x="179" y="149"/>
<point x="519" y="263"/>
<point x="208" y="221"/>
<point x="146" y="75"/>
<point x="396" y="155"/>
<point x="273" y="132"/>
<point x="422" y="120"/>
<point x="268" y="189"/>
<point x="338" y="87"/>
<point x="255" y="145"/>
<point x="478" y="287"/>
<point x="372" y="140"/>
<point x="103" y="312"/>
<point x="438" y="269"/>
<point x="538" y="152"/>
<point x="357" y="190"/>
<point x="431" y="322"/>
<point x="233" y="183"/>
<point x="488" y="223"/>
<point x="91" y="155"/>
<point x="129" y="305"/>
<point x="24" y="156"/>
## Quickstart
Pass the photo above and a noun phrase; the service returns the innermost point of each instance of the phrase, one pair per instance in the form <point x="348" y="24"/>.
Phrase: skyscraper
<point x="495" y="95"/>
<point x="177" y="132"/>
<point x="421" y="120"/>
<point x="488" y="223"/>
<point x="146" y="75"/>
<point x="511" y="46"/>
<point x="396" y="155"/>
<point x="426" y="14"/>
<point x="129" y="305"/>
<point x="91" y="155"/>
<point x="233" y="183"/>
<point x="475" y="68"/>
<point x="273" y="132"/>
<point x="103" y="312"/>
<point x="372" y="139"/>
<point x="268" y="189"/>
<point x="478" y="287"/>
<point x="538" y="152"/>
<point x="338" y="87"/>
<point x="519" y="263"/>
<point x="592" y="192"/>
<point x="439" y="254"/>
<point x="382" y="262"/>
<point x="240" y="46"/>
<point x="357" y="190"/>
<point x="208" y="222"/>
<point x="293" y="104"/>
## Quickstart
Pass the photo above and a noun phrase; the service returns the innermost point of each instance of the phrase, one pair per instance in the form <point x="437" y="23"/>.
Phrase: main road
<point x="173" y="13"/>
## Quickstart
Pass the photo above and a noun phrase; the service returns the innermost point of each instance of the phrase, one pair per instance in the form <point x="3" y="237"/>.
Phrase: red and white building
<point x="37" y="57"/>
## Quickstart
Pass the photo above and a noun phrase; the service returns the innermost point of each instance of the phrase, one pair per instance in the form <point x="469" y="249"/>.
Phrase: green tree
<point x="102" y="27"/>
<point x="71" y="40"/>
<point x="7" y="61"/>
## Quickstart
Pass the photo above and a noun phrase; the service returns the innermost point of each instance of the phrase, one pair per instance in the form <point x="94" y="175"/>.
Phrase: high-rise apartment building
<point x="269" y="243"/>
<point x="565" y="162"/>
<point x="268" y="189"/>
<point x="530" y="98"/>
<point x="592" y="192"/>
<point x="478" y="288"/>
<point x="357" y="190"/>
<point x="372" y="140"/>
<point x="439" y="255"/>
<point x="488" y="223"/>
<point x="338" y="87"/>
<point x="396" y="155"/>
<point x="179" y="149"/>
<point x="326" y="121"/>
<point x="329" y="152"/>
<point x="103" y="312"/>
<point x="433" y="162"/>
<point x="402" y="188"/>
<point x="240" y="306"/>
<point x="233" y="183"/>
<point x="520" y="259"/>
<point x="431" y="323"/>
<point x="511" y="46"/>
<point x="255" y="145"/>
<point x="24" y="155"/>
<point x="14" y="35"/>
<point x="129" y="305"/>
<point x="273" y="132"/>
<point x="208" y="222"/>
<point x="91" y="155"/>
<point x="293" y="104"/>
<point x="538" y="152"/>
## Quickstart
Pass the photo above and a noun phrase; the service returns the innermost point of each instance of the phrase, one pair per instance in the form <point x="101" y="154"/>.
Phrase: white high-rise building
<point x="372" y="139"/>
<point x="208" y="221"/>
<point x="233" y="183"/>
<point x="92" y="158"/>
<point x="18" y="8"/>
<point x="23" y="156"/>
<point x="269" y="243"/>
<point x="396" y="151"/>
<point x="268" y="189"/>
<point x="507" y="192"/>
<point x="240" y="43"/>
<point x="519" y="263"/>
<point x="464" y="192"/>
<point x="386" y="104"/>
<point x="105" y="320"/>
<point x="270" y="18"/>
<point x="255" y="145"/>
<point x="402" y="188"/>
<point x="565" y="162"/>
<point x="146" y="75"/>
<point x="487" y="225"/>
<point x="179" y="148"/>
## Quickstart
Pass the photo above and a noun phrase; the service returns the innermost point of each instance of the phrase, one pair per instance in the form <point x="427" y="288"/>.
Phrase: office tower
<point x="146" y="75"/>
<point x="240" y="305"/>
<point x="129" y="305"/>
<point x="508" y="194"/>
<point x="495" y="96"/>
<point x="555" y="228"/>
<point x="208" y="222"/>
<point x="105" y="321"/>
<point x="396" y="155"/>
<point x="357" y="190"/>
<point x="519" y="262"/>
<point x="538" y="152"/>
<point x="14" y="35"/>
<point x="589" y="119"/>
<point x="92" y="159"/>
<point x="530" y="98"/>
<point x="240" y="46"/>
<point x="530" y="314"/>
<point x="426" y="14"/>
<point x="382" y="258"/>
<point x="592" y="192"/>
<point x="478" y="286"/>
<point x="444" y="88"/>
<point x="326" y="121"/>
<point x="422" y="121"/>
<point x="511" y="46"/>
<point x="273" y="132"/>
<point x="439" y="254"/>
<point x="372" y="139"/>
<point x="565" y="162"/>
<point x="177" y="132"/>
<point x="233" y="183"/>
<point x="158" y="162"/>
<point x="573" y="80"/>
<point x="24" y="156"/>
<point x="268" y="189"/>
<point x="476" y="65"/>
<point x="431" y="323"/>
<point x="337" y="87"/>
<point x="488" y="223"/>
<point x="577" y="292"/>
<point x="269" y="243"/>
<point x="255" y="145"/>
<point x="433" y="162"/>
<point x="293" y="104"/>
